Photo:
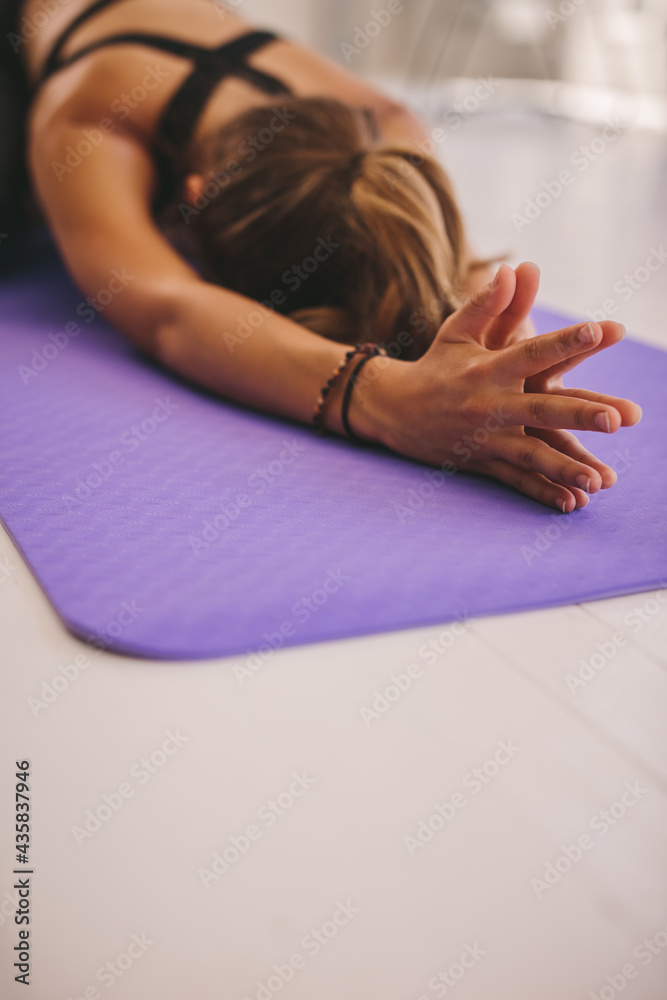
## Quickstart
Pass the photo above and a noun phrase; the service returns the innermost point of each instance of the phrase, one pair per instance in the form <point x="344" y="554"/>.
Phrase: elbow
<point x="157" y="325"/>
<point x="170" y="338"/>
<point x="165" y="344"/>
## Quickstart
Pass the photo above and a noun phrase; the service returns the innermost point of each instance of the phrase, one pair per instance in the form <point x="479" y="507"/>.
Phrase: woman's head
<point x="355" y="240"/>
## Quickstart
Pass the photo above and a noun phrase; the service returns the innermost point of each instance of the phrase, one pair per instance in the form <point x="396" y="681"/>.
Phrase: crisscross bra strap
<point x="211" y="66"/>
<point x="182" y="113"/>
<point x="52" y="63"/>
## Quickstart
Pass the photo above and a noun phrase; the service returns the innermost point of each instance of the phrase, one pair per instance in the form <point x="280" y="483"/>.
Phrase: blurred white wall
<point x="602" y="43"/>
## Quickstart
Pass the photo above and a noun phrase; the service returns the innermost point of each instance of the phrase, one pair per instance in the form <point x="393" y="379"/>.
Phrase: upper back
<point x="131" y="85"/>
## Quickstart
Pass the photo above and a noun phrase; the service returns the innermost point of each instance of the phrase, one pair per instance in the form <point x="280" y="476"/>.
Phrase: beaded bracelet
<point x="347" y="397"/>
<point x="369" y="350"/>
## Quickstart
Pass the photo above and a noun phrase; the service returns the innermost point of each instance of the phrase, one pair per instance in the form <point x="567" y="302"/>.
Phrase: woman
<point x="268" y="211"/>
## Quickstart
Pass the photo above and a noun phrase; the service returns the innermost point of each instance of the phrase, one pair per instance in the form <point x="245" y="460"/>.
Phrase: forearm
<point x="249" y="353"/>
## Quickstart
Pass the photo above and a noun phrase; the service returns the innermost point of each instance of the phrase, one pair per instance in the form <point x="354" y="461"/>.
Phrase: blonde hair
<point x="396" y="260"/>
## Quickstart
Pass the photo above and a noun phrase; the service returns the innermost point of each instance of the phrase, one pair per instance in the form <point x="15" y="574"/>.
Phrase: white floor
<point x="474" y="909"/>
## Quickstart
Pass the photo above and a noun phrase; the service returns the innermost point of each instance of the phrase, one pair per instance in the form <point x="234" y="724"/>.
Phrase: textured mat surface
<point x="163" y="522"/>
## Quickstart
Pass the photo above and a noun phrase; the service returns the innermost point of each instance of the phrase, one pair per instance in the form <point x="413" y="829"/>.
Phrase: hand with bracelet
<point x="499" y="411"/>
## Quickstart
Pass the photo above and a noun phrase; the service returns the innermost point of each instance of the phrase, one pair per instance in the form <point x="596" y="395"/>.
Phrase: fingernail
<point x="494" y="283"/>
<point x="587" y="334"/>
<point x="602" y="421"/>
<point x="562" y="504"/>
<point x="584" y="483"/>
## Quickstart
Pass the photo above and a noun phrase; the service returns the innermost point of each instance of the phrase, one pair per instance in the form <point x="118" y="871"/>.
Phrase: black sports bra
<point x="179" y="118"/>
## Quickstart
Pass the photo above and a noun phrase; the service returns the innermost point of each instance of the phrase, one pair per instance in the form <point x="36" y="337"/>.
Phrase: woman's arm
<point x="99" y="214"/>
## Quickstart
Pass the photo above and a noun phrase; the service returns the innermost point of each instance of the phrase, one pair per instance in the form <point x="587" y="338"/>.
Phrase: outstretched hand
<point x="489" y="399"/>
<point x="515" y="294"/>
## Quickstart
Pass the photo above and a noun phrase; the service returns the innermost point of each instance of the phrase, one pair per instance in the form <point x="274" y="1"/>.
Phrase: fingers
<point x="630" y="412"/>
<point x="581" y="499"/>
<point x="567" y="443"/>
<point x="559" y="410"/>
<point x="518" y="311"/>
<point x="533" y="455"/>
<point x="539" y="353"/>
<point x="612" y="333"/>
<point x="473" y="320"/>
<point x="533" y="485"/>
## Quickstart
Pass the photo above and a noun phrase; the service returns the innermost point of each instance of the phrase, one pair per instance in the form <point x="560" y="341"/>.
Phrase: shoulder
<point x="129" y="92"/>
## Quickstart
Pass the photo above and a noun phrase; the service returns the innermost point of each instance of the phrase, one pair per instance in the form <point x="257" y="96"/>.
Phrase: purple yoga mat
<point x="164" y="522"/>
